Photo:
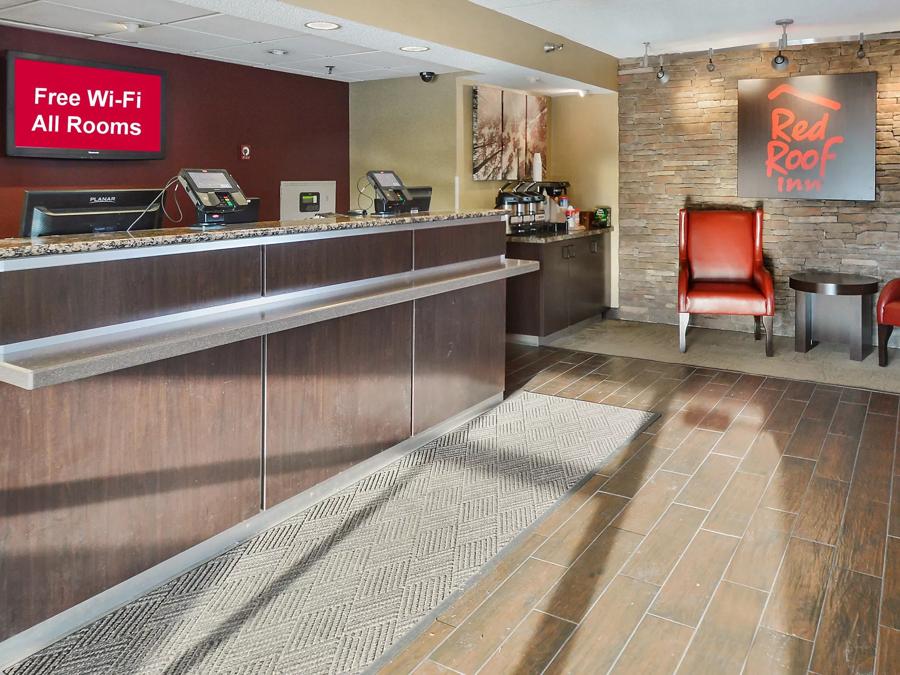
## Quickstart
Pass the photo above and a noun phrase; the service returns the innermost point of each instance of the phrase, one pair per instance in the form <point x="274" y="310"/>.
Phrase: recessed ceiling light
<point x="131" y="26"/>
<point x="415" y="48"/>
<point x="322" y="25"/>
<point x="278" y="52"/>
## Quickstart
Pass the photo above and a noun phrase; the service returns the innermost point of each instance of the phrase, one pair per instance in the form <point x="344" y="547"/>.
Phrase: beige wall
<point x="584" y="142"/>
<point x="424" y="132"/>
<point x="409" y="126"/>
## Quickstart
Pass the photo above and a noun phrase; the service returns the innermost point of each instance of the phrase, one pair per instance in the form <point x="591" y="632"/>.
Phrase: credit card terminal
<point x="390" y="188"/>
<point x="212" y="190"/>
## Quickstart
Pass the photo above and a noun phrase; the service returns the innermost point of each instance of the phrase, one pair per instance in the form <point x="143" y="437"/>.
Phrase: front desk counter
<point x="160" y="387"/>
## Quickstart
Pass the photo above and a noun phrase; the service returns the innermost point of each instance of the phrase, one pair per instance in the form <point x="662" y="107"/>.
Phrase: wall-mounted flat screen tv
<point x="67" y="108"/>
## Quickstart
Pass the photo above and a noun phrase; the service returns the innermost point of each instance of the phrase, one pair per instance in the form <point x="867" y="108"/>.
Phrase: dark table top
<point x="834" y="283"/>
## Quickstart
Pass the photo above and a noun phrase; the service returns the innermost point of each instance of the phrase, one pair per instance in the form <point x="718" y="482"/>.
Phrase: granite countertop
<point x="105" y="241"/>
<point x="550" y="237"/>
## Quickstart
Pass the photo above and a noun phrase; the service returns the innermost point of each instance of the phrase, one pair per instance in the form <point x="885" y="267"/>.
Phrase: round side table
<point x="845" y="316"/>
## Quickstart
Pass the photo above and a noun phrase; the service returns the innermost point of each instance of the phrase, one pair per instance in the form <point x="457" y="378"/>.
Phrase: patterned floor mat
<point x="332" y="588"/>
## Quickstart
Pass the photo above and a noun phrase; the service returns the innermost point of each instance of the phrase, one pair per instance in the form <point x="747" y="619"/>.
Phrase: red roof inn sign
<point x="810" y="137"/>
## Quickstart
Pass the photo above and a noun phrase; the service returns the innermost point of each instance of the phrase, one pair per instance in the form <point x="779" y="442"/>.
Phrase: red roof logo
<point x="813" y="98"/>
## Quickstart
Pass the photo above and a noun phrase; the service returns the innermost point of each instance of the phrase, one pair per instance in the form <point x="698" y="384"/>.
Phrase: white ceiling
<point x="178" y="27"/>
<point x="620" y="27"/>
<point x="244" y="32"/>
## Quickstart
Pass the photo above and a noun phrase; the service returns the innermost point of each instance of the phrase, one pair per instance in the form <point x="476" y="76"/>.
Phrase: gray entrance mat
<point x="335" y="586"/>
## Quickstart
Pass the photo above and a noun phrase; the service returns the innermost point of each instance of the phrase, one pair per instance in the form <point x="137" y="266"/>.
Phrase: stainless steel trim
<point x="568" y="330"/>
<point x="61" y="259"/>
<point x="13" y="348"/>
<point x="264" y="422"/>
<point x="536" y="340"/>
<point x="521" y="339"/>
<point x="31" y="367"/>
<point x="44" y="634"/>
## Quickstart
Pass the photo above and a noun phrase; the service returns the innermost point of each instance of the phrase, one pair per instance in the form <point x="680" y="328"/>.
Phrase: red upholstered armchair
<point x="888" y="316"/>
<point x="720" y="255"/>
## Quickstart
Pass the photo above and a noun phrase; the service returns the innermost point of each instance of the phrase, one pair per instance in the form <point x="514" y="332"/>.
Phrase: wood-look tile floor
<point x="755" y="527"/>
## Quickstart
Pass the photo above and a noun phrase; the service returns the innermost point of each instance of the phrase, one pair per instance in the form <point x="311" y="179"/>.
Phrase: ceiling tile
<point x="298" y="48"/>
<point x="384" y="60"/>
<point x="340" y="66"/>
<point x="49" y="15"/>
<point x="178" y="39"/>
<point x="151" y="11"/>
<point x="155" y="48"/>
<point x="239" y="29"/>
<point x="12" y="3"/>
<point x="384" y="74"/>
<point x="433" y="67"/>
<point x="319" y="74"/>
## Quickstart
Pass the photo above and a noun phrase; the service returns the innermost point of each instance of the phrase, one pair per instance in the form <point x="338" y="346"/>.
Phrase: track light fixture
<point x="781" y="62"/>
<point x="550" y="47"/>
<point x="661" y="75"/>
<point x="710" y="66"/>
<point x="861" y="52"/>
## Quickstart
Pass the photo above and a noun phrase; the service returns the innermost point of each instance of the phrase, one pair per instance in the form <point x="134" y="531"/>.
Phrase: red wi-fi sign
<point x="810" y="137"/>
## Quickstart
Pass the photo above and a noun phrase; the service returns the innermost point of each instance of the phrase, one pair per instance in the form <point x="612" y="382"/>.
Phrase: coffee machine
<point x="524" y="205"/>
<point x="534" y="207"/>
<point x="555" y="203"/>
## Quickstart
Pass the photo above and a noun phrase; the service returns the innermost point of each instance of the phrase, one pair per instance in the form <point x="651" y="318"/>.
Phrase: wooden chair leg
<point x="757" y="327"/>
<point x="884" y="334"/>
<point x="768" y="322"/>
<point x="683" y="319"/>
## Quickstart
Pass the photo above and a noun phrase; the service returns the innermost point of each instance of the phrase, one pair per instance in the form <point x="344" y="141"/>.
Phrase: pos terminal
<point x="392" y="195"/>
<point x="212" y="190"/>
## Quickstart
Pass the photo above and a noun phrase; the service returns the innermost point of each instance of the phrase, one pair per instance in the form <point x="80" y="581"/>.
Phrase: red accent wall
<point x="298" y="128"/>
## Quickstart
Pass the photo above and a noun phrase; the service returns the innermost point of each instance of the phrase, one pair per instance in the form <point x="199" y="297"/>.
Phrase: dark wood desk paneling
<point x="459" y="352"/>
<point x="311" y="264"/>
<point x="587" y="278"/>
<point x="571" y="286"/>
<point x="102" y="478"/>
<point x="64" y="299"/>
<point x="106" y="476"/>
<point x="446" y="245"/>
<point x="523" y="294"/>
<point x="554" y="275"/>
<point x="338" y="392"/>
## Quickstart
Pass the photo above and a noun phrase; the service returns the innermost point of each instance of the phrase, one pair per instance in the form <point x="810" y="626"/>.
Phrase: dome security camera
<point x="427" y="76"/>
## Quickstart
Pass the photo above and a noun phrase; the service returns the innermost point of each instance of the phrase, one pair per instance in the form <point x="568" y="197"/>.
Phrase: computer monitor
<point x="419" y="202"/>
<point x="421" y="197"/>
<point x="48" y="212"/>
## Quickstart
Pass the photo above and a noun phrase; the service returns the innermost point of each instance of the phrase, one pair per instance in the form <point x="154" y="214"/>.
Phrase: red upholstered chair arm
<point x="763" y="281"/>
<point x="890" y="293"/>
<point x="684" y="282"/>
